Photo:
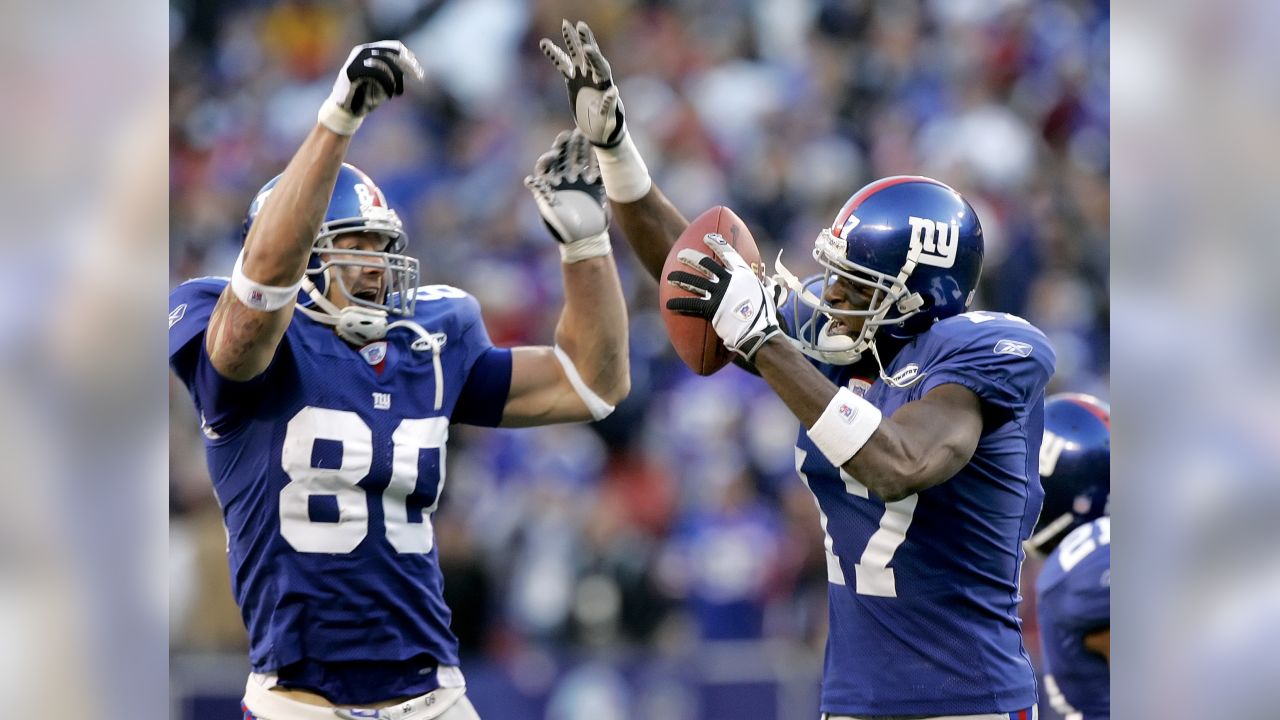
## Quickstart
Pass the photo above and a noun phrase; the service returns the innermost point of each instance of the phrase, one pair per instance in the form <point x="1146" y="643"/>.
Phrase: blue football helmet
<point x="914" y="241"/>
<point x="1075" y="467"/>
<point x="356" y="206"/>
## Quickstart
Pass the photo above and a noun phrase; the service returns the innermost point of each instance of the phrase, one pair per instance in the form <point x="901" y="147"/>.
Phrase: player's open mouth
<point x="370" y="294"/>
<point x="837" y="327"/>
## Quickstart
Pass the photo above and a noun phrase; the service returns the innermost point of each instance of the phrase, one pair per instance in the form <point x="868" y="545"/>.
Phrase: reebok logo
<point x="1012" y="347"/>
<point x="176" y="314"/>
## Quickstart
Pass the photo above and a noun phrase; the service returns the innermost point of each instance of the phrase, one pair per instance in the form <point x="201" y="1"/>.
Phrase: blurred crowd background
<point x="666" y="562"/>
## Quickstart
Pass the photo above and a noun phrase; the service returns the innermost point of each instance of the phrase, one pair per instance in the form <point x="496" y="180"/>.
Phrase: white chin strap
<point x="361" y="326"/>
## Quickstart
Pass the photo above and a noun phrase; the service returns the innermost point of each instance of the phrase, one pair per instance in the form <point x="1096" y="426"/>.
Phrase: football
<point x="693" y="338"/>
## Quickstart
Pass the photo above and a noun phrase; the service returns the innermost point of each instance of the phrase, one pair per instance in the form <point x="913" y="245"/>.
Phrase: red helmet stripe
<point x="868" y="191"/>
<point x="375" y="192"/>
<point x="1087" y="402"/>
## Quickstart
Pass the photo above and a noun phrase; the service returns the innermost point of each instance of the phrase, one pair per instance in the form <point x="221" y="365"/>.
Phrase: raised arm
<point x="587" y="373"/>
<point x="649" y="221"/>
<point x="254" y="310"/>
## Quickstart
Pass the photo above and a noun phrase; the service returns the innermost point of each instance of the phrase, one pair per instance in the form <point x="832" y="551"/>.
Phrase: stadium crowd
<point x="650" y="528"/>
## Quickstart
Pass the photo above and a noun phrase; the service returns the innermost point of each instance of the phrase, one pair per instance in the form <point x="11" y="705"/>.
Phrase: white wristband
<point x="338" y="119"/>
<point x="845" y="426"/>
<point x="595" y="404"/>
<point x="266" y="298"/>
<point x="586" y="248"/>
<point x="626" y="179"/>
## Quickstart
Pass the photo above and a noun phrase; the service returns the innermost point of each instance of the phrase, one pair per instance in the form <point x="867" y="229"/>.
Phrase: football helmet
<point x="915" y="242"/>
<point x="356" y="206"/>
<point x="1075" y="467"/>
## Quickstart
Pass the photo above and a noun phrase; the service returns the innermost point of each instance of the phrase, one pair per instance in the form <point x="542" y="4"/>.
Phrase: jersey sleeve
<point x="1005" y="361"/>
<point x="488" y="372"/>
<point x="221" y="402"/>
<point x="1086" y="594"/>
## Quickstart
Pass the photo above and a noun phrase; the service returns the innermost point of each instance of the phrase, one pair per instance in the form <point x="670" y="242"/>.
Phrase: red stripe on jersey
<point x="868" y="191"/>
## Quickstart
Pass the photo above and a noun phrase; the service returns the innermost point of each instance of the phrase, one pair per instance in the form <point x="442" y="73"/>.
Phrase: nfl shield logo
<point x="374" y="353"/>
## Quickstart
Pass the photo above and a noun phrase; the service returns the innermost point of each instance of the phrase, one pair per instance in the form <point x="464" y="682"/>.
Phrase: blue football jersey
<point x="923" y="592"/>
<point x="1073" y="599"/>
<point x="327" y="467"/>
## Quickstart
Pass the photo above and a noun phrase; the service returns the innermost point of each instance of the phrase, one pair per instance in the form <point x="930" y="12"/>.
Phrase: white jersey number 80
<point x="346" y="427"/>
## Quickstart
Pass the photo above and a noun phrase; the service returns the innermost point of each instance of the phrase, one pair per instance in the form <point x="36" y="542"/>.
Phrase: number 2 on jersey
<point x="307" y="481"/>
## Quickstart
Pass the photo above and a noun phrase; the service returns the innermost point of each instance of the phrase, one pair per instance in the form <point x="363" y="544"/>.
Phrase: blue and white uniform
<point x="923" y="592"/>
<point x="1073" y="599"/>
<point x="328" y="466"/>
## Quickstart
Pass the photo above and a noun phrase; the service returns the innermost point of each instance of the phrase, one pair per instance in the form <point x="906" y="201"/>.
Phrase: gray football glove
<point x="570" y="196"/>
<point x="593" y="97"/>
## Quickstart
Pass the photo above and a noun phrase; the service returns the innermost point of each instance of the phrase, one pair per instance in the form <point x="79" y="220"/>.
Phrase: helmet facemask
<point x="891" y="302"/>
<point x="400" y="272"/>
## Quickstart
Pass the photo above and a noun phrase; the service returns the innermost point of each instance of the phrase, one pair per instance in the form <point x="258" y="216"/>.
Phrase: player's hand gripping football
<point x="593" y="97"/>
<point x="372" y="73"/>
<point x="570" y="196"/>
<point x="741" y="306"/>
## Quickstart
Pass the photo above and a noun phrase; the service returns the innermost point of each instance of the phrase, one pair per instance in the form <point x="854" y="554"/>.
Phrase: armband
<point x="585" y="249"/>
<point x="845" y="426"/>
<point x="596" y="404"/>
<point x="338" y="119"/>
<point x="266" y="298"/>
<point x="626" y="179"/>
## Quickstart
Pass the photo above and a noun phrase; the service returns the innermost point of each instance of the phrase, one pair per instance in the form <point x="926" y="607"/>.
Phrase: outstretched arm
<point x="650" y="222"/>
<point x="254" y="310"/>
<point x="588" y="372"/>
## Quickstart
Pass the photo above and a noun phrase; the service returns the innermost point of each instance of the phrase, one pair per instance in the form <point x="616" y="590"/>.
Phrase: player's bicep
<point x="541" y="393"/>
<point x="241" y="341"/>
<point x="945" y="426"/>
<point x="924" y="443"/>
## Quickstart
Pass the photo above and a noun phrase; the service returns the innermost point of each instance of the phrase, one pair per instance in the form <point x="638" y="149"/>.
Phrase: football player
<point x="1073" y="592"/>
<point x="921" y="420"/>
<point x="326" y="380"/>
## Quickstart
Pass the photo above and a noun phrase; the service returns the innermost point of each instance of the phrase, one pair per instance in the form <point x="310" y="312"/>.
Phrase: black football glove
<point x="372" y="73"/>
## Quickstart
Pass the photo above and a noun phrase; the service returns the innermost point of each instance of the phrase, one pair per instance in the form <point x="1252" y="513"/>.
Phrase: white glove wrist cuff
<point x="626" y="179"/>
<point x="845" y="426"/>
<point x="595" y="404"/>
<point x="585" y="249"/>
<point x="267" y="298"/>
<point x="338" y="119"/>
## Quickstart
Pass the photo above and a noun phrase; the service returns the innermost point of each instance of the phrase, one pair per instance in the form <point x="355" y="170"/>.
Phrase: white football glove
<point x="740" y="305"/>
<point x="372" y="73"/>
<point x="570" y="196"/>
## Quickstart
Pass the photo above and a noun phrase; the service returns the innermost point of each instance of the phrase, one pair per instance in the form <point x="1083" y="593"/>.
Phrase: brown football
<point x="694" y="339"/>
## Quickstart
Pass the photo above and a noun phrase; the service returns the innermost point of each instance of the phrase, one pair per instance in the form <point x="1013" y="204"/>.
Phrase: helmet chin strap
<point x="361" y="326"/>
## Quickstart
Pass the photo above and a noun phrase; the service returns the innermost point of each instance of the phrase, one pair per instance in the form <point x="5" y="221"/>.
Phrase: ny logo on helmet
<point x="934" y="242"/>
